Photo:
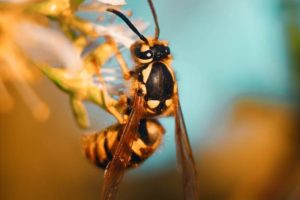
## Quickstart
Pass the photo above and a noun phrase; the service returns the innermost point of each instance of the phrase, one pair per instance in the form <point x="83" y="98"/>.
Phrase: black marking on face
<point x="144" y="55"/>
<point x="160" y="52"/>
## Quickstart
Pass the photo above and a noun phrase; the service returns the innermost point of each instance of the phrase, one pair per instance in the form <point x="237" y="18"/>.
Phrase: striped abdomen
<point x="100" y="147"/>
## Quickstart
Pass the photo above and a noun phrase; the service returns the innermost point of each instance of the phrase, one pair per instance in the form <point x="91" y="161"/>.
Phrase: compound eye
<point x="144" y="53"/>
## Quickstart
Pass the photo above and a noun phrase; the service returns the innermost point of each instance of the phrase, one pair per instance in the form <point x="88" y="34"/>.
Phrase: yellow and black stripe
<point x="100" y="147"/>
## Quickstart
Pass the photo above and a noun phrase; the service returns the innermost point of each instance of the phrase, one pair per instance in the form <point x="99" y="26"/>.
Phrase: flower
<point x="113" y="2"/>
<point x="15" y="66"/>
<point x="69" y="50"/>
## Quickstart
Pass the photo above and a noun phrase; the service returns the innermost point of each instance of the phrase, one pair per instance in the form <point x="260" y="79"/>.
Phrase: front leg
<point x="114" y="107"/>
<point x="120" y="59"/>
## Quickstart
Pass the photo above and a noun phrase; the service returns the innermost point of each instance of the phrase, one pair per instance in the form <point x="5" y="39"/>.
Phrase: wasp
<point x="154" y="93"/>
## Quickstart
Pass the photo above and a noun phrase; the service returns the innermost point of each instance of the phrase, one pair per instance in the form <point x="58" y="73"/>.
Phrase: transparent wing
<point x="116" y="168"/>
<point x="185" y="158"/>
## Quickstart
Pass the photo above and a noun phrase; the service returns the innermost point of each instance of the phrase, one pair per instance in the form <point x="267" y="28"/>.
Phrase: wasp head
<point x="153" y="50"/>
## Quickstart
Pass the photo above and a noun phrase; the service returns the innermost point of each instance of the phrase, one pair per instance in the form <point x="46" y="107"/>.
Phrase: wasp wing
<point x="185" y="158"/>
<point x="116" y="168"/>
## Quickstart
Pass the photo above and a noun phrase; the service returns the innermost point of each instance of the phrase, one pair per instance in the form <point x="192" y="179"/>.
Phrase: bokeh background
<point x="237" y="64"/>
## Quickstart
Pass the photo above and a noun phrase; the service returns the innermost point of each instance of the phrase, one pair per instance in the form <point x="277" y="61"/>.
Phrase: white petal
<point x="47" y="45"/>
<point x="113" y="2"/>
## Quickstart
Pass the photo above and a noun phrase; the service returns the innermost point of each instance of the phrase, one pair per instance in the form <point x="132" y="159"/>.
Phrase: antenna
<point x="129" y="24"/>
<point x="157" y="30"/>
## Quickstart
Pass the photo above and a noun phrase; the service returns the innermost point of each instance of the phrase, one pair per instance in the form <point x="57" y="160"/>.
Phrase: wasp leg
<point x="123" y="65"/>
<point x="120" y="59"/>
<point x="111" y="105"/>
<point x="121" y="119"/>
